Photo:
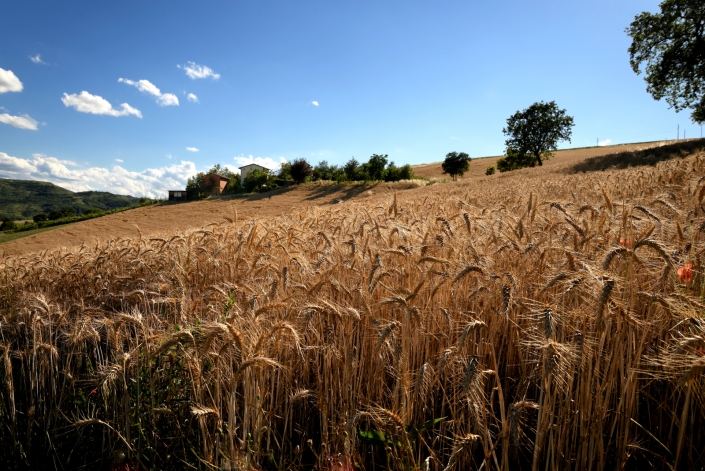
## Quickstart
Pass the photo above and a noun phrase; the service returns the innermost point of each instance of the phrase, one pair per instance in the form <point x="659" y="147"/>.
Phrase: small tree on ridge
<point x="535" y="132"/>
<point x="456" y="163"/>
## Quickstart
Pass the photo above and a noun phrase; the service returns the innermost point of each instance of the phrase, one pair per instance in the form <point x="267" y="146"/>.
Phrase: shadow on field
<point x="342" y="191"/>
<point x="650" y="156"/>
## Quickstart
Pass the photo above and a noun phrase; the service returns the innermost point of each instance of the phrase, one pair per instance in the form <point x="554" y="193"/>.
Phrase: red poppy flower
<point x="686" y="273"/>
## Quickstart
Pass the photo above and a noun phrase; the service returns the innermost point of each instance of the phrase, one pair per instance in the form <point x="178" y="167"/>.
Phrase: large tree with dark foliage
<point x="670" y="46"/>
<point x="456" y="163"/>
<point x="300" y="170"/>
<point x="534" y="133"/>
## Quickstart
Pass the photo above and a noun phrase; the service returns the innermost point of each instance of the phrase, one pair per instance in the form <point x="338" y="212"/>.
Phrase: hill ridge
<point x="22" y="199"/>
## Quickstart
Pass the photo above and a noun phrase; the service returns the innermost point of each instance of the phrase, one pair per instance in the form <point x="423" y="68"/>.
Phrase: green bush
<point x="62" y="213"/>
<point x="8" y="225"/>
<point x="394" y="173"/>
<point x="489" y="170"/>
<point x="41" y="217"/>
<point x="256" y="180"/>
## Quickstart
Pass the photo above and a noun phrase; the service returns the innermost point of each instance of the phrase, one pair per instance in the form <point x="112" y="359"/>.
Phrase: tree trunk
<point x="538" y="158"/>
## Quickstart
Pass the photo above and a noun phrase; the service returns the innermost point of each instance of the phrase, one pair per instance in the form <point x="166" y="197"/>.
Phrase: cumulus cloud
<point x="266" y="162"/>
<point x="94" y="104"/>
<point x="314" y="103"/>
<point x="22" y="122"/>
<point x="151" y="183"/>
<point x="606" y="142"/>
<point x="119" y="160"/>
<point x="168" y="99"/>
<point x="9" y="82"/>
<point x="145" y="86"/>
<point x="37" y="59"/>
<point x="195" y="71"/>
<point x="192" y="98"/>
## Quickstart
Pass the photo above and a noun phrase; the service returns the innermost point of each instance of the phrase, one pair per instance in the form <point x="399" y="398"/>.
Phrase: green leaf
<point x="373" y="437"/>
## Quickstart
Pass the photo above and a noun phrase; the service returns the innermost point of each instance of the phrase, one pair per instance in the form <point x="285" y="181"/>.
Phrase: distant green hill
<point x="22" y="199"/>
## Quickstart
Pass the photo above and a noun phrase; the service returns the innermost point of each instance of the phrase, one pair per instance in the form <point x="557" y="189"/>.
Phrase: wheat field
<point x="542" y="320"/>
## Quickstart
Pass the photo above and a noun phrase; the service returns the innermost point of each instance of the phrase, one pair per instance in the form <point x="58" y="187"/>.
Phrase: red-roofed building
<point x="215" y="183"/>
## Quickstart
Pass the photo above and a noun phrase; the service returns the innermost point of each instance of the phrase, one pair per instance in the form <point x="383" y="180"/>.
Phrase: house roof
<point x="258" y="165"/>
<point x="219" y="176"/>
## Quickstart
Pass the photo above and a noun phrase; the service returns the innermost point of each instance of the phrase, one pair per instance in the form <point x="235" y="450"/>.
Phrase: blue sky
<point x="273" y="80"/>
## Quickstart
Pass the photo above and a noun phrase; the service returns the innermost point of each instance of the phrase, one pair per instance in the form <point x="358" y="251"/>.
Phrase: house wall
<point x="247" y="169"/>
<point x="218" y="183"/>
<point x="177" y="195"/>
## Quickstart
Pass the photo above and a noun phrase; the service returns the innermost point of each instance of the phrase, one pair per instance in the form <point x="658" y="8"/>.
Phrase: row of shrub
<point x="65" y="216"/>
<point x="377" y="168"/>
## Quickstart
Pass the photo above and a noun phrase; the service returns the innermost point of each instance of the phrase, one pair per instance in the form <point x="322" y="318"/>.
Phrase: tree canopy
<point x="256" y="180"/>
<point x="299" y="170"/>
<point x="533" y="134"/>
<point x="670" y="46"/>
<point x="376" y="166"/>
<point x="456" y="163"/>
<point x="196" y="186"/>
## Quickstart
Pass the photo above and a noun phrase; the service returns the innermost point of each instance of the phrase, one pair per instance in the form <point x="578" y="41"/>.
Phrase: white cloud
<point x="168" y="99"/>
<point x="9" y="82"/>
<point x="192" y="98"/>
<point x="192" y="149"/>
<point x="152" y="182"/>
<point x="119" y="160"/>
<point x="37" y="59"/>
<point x="314" y="103"/>
<point x="266" y="162"/>
<point x="145" y="86"/>
<point x="606" y="142"/>
<point x="94" y="104"/>
<point x="195" y="71"/>
<point x="168" y="156"/>
<point x="22" y="122"/>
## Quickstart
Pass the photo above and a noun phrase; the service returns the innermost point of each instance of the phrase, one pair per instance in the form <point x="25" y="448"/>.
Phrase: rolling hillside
<point x="160" y="219"/>
<point x="561" y="157"/>
<point x="546" y="318"/>
<point x="22" y="199"/>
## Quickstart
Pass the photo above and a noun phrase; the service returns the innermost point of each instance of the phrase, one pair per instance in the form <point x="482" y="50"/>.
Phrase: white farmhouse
<point x="245" y="169"/>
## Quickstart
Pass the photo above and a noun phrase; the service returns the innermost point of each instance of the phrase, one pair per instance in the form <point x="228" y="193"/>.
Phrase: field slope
<point x="167" y="218"/>
<point x="543" y="319"/>
<point x="561" y="158"/>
